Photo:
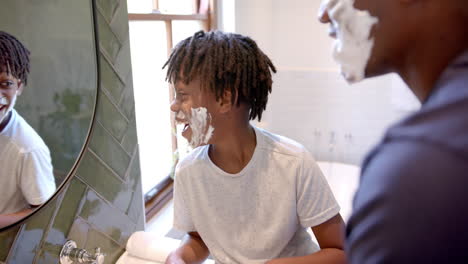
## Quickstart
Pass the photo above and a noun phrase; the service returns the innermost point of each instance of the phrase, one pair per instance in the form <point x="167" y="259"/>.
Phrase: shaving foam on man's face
<point x="197" y="126"/>
<point x="353" y="45"/>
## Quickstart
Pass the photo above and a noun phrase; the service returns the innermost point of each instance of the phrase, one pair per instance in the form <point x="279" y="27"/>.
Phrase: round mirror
<point x="46" y="111"/>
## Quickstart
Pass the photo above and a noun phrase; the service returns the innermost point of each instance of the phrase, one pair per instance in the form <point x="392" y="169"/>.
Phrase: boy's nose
<point x="323" y="14"/>
<point x="175" y="106"/>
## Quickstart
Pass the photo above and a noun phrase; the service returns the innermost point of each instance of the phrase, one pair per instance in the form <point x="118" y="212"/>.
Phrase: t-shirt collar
<point x="10" y="122"/>
<point x="259" y="139"/>
<point x="452" y="84"/>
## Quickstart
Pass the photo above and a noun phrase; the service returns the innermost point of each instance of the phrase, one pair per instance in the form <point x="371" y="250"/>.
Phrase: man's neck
<point x="422" y="75"/>
<point x="425" y="63"/>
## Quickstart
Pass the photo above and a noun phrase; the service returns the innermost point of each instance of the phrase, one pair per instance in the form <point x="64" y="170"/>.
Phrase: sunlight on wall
<point x="139" y="6"/>
<point x="149" y="53"/>
<point x="228" y="19"/>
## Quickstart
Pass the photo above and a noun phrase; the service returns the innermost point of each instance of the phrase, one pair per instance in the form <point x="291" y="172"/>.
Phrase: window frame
<point x="206" y="13"/>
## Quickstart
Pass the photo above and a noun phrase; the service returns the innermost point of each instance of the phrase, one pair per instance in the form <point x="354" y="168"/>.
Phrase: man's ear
<point x="20" y="87"/>
<point x="225" y="102"/>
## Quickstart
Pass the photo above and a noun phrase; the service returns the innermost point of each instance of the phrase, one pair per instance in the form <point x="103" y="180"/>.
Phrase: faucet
<point x="70" y="254"/>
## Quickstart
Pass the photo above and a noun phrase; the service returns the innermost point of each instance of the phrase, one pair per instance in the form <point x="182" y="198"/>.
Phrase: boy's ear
<point x="225" y="102"/>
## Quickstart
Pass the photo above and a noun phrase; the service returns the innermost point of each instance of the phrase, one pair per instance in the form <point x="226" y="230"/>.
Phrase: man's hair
<point x="224" y="61"/>
<point x="14" y="57"/>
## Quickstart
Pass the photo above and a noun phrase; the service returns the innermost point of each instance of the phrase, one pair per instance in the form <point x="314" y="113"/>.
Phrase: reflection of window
<point x="177" y="7"/>
<point x="155" y="26"/>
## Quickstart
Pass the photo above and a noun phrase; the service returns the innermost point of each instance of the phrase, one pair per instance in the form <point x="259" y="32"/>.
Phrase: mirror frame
<point x="72" y="170"/>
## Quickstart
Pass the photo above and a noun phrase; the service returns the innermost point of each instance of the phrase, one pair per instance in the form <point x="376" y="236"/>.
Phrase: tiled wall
<point x="102" y="204"/>
<point x="333" y="120"/>
<point x="310" y="101"/>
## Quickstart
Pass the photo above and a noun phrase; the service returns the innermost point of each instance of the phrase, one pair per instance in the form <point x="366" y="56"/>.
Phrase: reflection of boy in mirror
<point x="243" y="195"/>
<point x="26" y="178"/>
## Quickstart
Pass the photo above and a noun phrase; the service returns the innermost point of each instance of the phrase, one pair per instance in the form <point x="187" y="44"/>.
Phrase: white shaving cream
<point x="4" y="101"/>
<point x="199" y="122"/>
<point x="353" y="45"/>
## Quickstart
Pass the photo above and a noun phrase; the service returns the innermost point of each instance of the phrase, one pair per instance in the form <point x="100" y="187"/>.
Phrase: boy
<point x="243" y="195"/>
<point x="26" y="177"/>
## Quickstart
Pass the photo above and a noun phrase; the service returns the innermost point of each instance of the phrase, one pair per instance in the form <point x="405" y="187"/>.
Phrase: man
<point x="411" y="206"/>
<point x="26" y="178"/>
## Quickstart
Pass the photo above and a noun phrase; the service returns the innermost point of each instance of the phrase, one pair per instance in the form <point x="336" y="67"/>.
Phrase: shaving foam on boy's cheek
<point x="199" y="124"/>
<point x="353" y="46"/>
<point x="199" y="121"/>
<point x="4" y="111"/>
<point x="4" y="101"/>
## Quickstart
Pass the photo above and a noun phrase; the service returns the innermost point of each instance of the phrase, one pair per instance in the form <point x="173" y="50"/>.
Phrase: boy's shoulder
<point x="268" y="142"/>
<point x="286" y="152"/>
<point x="281" y="145"/>
<point x="22" y="136"/>
<point x="196" y="157"/>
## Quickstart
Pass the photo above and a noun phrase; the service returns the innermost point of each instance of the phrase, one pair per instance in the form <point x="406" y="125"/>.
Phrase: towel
<point x="128" y="259"/>
<point x="148" y="248"/>
<point x="146" y="245"/>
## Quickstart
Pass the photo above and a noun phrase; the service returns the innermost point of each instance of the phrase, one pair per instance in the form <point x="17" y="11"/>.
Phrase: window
<point x="155" y="27"/>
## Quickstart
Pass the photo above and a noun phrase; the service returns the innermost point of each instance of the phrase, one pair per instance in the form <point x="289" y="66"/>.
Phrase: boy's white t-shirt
<point x="259" y="214"/>
<point x="26" y="174"/>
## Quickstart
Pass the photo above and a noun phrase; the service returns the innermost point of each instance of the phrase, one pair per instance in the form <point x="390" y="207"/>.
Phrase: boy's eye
<point x="6" y="84"/>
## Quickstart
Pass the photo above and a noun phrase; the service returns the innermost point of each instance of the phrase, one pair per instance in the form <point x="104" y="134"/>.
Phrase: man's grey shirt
<point x="412" y="203"/>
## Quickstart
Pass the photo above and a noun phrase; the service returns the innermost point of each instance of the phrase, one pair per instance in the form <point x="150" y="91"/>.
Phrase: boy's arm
<point x="8" y="219"/>
<point x="330" y="236"/>
<point x="192" y="250"/>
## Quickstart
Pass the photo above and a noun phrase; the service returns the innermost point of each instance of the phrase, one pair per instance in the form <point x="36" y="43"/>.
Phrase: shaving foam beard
<point x="200" y="130"/>
<point x="353" y="46"/>
<point x="4" y="113"/>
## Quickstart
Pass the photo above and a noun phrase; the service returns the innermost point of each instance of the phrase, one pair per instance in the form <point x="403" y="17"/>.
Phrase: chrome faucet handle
<point x="70" y="254"/>
<point x="98" y="257"/>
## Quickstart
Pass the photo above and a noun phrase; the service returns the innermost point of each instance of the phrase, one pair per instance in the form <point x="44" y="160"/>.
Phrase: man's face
<point x="10" y="88"/>
<point x="362" y="38"/>
<point x="194" y="108"/>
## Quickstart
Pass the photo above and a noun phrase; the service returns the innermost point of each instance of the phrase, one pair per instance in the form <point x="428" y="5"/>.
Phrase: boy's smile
<point x="191" y="106"/>
<point x="182" y="120"/>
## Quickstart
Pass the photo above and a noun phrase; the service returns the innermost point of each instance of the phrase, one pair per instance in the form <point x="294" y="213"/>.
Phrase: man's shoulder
<point x="407" y="163"/>
<point x="406" y="190"/>
<point x="404" y="170"/>
<point x="444" y="127"/>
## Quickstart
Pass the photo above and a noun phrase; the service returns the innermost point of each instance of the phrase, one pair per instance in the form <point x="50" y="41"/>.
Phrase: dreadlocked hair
<point x="14" y="57"/>
<point x="222" y="62"/>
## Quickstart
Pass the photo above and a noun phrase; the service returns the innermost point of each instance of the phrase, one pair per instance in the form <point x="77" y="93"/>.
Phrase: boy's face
<point x="10" y="88"/>
<point x="195" y="109"/>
